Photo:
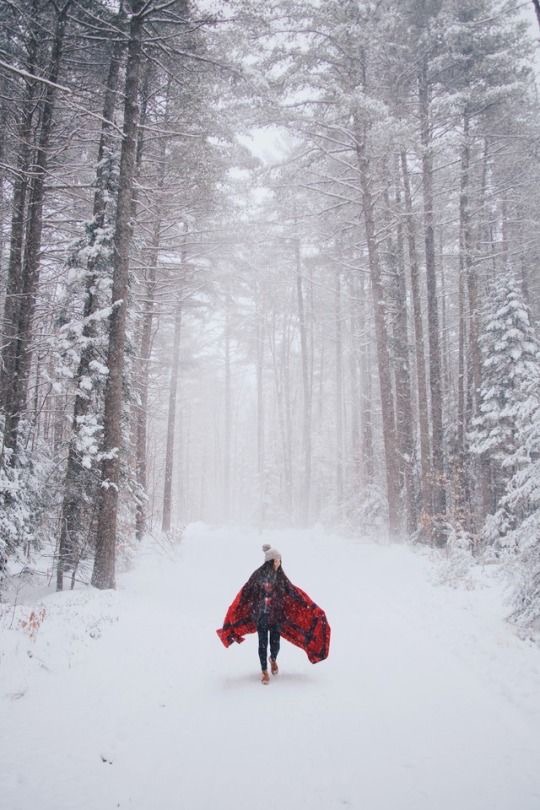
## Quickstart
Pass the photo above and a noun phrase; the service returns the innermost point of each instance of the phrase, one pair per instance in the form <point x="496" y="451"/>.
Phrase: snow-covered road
<point x="427" y="702"/>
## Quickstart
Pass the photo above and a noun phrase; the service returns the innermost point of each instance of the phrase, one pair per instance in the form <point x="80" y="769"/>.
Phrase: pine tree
<point x="103" y="575"/>
<point x="510" y="361"/>
<point x="520" y="510"/>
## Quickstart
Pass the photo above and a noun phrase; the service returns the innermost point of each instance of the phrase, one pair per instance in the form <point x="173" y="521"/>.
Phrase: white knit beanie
<point x="270" y="553"/>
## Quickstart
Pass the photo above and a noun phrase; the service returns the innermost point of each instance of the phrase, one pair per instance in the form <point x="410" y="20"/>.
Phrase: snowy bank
<point x="127" y="698"/>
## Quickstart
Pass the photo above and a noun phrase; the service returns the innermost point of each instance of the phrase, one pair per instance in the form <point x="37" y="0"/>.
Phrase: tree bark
<point x="227" y="427"/>
<point x="468" y="337"/>
<point x="306" y="386"/>
<point x="536" y="4"/>
<point x="381" y="336"/>
<point x="3" y="229"/>
<point x="103" y="575"/>
<point x="460" y="474"/>
<point x="470" y="270"/>
<point x="421" y="377"/>
<point x="32" y="243"/>
<point x="171" y="418"/>
<point x="8" y="361"/>
<point x="149" y="304"/>
<point x="79" y="483"/>
<point x="366" y="405"/>
<point x="524" y="270"/>
<point x="144" y="371"/>
<point x="260" y="338"/>
<point x="404" y="410"/>
<point x="339" y="392"/>
<point x="287" y="404"/>
<point x="355" y="329"/>
<point x="279" y="373"/>
<point x="435" y="378"/>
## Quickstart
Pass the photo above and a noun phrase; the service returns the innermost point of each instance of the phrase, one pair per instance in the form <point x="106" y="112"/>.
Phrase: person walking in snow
<point x="272" y="606"/>
<point x="266" y="589"/>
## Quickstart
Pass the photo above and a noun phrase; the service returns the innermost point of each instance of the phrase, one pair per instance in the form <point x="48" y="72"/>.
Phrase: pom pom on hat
<point x="270" y="553"/>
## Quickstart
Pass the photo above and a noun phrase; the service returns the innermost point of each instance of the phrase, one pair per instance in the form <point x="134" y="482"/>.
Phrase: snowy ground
<point x="428" y="701"/>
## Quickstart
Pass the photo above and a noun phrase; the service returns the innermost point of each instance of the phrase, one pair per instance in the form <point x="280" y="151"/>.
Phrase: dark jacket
<point x="265" y="590"/>
<point x="300" y="620"/>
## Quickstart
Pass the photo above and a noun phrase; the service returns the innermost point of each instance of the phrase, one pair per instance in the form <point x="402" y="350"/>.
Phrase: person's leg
<point x="274" y="646"/>
<point x="262" y="630"/>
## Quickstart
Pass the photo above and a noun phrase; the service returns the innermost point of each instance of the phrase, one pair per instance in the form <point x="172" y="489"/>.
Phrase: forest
<point x="271" y="264"/>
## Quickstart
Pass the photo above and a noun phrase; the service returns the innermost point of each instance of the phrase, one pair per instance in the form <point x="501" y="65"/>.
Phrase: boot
<point x="265" y="677"/>
<point x="273" y="666"/>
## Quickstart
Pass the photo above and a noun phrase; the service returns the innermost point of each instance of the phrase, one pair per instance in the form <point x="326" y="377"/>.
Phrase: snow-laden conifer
<point x="520" y="508"/>
<point x="510" y="360"/>
<point x="507" y="434"/>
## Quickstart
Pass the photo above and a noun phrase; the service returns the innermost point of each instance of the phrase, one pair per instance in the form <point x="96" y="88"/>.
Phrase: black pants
<point x="265" y="630"/>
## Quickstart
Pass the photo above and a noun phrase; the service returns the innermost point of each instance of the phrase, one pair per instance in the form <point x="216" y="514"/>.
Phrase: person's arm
<point x="250" y="590"/>
<point x="288" y="587"/>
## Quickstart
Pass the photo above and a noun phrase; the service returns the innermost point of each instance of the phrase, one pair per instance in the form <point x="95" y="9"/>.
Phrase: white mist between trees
<point x="272" y="298"/>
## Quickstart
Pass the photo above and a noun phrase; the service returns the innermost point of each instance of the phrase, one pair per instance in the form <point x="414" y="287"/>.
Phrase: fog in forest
<point x="270" y="371"/>
<point x="268" y="264"/>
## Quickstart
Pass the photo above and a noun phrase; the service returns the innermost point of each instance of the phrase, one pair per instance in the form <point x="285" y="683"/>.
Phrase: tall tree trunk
<point x="355" y="329"/>
<point x="147" y="327"/>
<point x="536" y="4"/>
<point x="171" y="419"/>
<point x="339" y="392"/>
<point x="32" y="242"/>
<point x="420" y="364"/>
<point x="469" y="347"/>
<point x="484" y="250"/>
<point x="306" y="386"/>
<point x="79" y="482"/>
<point x="470" y="270"/>
<point x="381" y="335"/>
<point x="524" y="270"/>
<point x="186" y="490"/>
<point x="435" y="378"/>
<point x="287" y="404"/>
<point x="144" y="372"/>
<point x="261" y="482"/>
<point x="364" y="336"/>
<point x="445" y="348"/>
<point x="279" y="371"/>
<point x="460" y="474"/>
<point x="404" y="410"/>
<point x="3" y="230"/>
<point x="103" y="575"/>
<point x="227" y="436"/>
<point x="8" y="360"/>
